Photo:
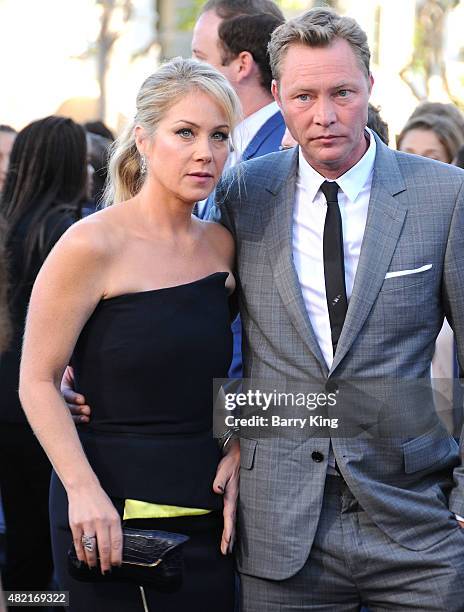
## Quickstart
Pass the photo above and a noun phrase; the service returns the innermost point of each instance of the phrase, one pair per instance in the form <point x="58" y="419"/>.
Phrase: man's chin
<point x="331" y="159"/>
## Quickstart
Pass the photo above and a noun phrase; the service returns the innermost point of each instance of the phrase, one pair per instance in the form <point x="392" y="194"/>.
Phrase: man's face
<point x="6" y="144"/>
<point x="206" y="44"/>
<point x="323" y="93"/>
<point x="205" y="41"/>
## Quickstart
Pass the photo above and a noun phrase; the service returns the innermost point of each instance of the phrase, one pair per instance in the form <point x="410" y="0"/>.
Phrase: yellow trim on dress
<point x="135" y="509"/>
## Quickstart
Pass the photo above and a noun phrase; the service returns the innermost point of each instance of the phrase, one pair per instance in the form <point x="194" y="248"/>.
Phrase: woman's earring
<point x="143" y="165"/>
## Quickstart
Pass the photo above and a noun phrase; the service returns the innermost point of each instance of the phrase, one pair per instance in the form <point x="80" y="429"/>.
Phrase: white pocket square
<point x="405" y="272"/>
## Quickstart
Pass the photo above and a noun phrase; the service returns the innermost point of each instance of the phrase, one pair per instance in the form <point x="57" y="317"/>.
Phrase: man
<point x="232" y="36"/>
<point x="348" y="256"/>
<point x="346" y="282"/>
<point x="7" y="138"/>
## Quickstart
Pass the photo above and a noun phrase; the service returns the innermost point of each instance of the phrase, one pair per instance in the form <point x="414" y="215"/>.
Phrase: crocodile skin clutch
<point x="149" y="558"/>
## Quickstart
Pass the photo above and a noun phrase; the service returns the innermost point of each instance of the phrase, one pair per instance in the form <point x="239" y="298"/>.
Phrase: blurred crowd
<point x="52" y="173"/>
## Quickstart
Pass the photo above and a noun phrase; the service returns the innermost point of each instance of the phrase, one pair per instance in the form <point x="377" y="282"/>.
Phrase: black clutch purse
<point x="149" y="558"/>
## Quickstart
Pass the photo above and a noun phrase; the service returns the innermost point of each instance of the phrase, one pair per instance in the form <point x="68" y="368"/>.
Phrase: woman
<point x="429" y="135"/>
<point x="44" y="187"/>
<point x="148" y="329"/>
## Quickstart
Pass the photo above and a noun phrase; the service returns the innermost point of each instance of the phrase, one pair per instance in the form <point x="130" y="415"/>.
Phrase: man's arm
<point x="453" y="302"/>
<point x="226" y="482"/>
<point x="224" y="197"/>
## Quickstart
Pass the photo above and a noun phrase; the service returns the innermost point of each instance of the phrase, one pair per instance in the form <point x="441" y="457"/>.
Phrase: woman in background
<point x="44" y="188"/>
<point x="429" y="135"/>
<point x="148" y="329"/>
<point x="5" y="326"/>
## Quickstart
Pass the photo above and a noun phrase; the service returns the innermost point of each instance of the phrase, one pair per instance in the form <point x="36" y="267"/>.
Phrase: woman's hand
<point x="226" y="484"/>
<point x="79" y="410"/>
<point x="92" y="514"/>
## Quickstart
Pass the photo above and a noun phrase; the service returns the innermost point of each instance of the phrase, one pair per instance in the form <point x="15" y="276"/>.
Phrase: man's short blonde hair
<point x="318" y="28"/>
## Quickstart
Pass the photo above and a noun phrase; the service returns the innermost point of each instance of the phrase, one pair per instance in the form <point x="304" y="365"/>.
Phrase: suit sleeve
<point x="221" y="202"/>
<point x="453" y="300"/>
<point x="226" y="199"/>
<point x="221" y="211"/>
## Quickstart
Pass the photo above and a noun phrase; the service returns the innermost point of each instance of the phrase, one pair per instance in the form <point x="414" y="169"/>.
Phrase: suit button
<point x="331" y="386"/>
<point x="317" y="456"/>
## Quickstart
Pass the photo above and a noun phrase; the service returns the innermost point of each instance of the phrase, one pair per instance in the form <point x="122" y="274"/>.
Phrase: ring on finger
<point x="88" y="542"/>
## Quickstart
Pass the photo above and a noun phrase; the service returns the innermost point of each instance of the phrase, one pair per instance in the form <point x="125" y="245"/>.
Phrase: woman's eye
<point x="185" y="132"/>
<point x="220" y="136"/>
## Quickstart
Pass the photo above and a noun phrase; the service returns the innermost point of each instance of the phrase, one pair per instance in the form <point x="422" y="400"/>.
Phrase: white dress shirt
<point x="308" y="233"/>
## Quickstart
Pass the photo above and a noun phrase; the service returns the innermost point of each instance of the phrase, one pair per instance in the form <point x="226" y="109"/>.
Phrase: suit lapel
<point x="277" y="218"/>
<point x="383" y="228"/>
<point x="264" y="132"/>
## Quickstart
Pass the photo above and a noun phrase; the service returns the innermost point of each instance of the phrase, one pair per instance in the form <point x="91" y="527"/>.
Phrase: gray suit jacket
<point x="398" y="461"/>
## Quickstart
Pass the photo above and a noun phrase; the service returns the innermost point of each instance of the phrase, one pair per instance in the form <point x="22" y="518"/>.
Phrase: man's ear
<point x="370" y="82"/>
<point x="244" y="65"/>
<point x="275" y="93"/>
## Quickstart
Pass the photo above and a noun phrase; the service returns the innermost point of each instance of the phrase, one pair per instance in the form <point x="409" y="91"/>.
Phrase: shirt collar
<point x="351" y="183"/>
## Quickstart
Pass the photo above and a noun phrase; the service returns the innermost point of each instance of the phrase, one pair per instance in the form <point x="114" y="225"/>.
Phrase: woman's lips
<point x="200" y="177"/>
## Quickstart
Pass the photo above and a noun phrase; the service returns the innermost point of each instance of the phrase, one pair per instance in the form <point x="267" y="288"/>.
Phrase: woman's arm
<point x="226" y="482"/>
<point x="65" y="294"/>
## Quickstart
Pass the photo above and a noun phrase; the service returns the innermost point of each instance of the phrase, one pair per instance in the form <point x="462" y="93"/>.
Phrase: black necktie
<point x="334" y="263"/>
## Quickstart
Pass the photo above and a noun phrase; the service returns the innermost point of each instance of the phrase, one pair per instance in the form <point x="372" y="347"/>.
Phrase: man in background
<point x="232" y="36"/>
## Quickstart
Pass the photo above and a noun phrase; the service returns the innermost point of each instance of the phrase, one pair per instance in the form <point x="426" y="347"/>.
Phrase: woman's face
<point x="187" y="153"/>
<point x="425" y="143"/>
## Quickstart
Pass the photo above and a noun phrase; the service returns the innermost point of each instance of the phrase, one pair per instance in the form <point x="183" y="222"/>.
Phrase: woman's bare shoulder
<point x="96" y="236"/>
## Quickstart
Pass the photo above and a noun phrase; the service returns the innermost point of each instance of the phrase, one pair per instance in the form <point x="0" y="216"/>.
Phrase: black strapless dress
<point x="145" y="362"/>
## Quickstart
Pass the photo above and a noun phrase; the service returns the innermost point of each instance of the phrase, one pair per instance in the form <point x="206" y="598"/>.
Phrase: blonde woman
<point x="136" y="296"/>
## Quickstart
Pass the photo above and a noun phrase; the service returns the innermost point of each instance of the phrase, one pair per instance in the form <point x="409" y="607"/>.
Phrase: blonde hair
<point x="158" y="94"/>
<point x="318" y="28"/>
